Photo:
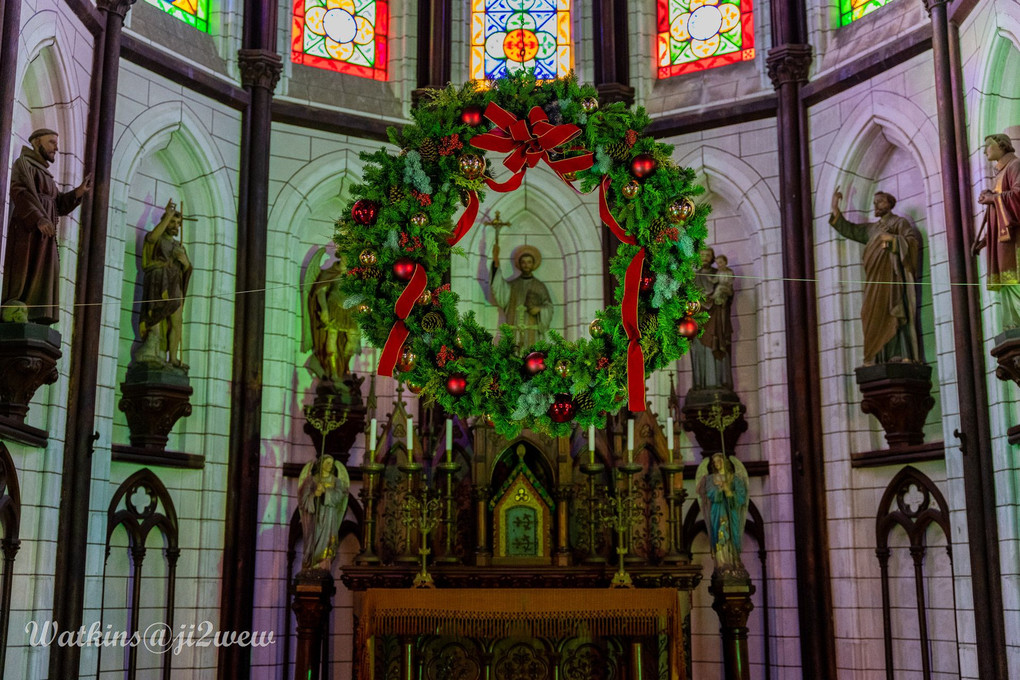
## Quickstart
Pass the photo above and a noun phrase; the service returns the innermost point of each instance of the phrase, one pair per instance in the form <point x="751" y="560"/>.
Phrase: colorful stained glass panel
<point x="694" y="35"/>
<point x="347" y="36"/>
<point x="192" y="12"/>
<point x="511" y="35"/>
<point x="852" y="10"/>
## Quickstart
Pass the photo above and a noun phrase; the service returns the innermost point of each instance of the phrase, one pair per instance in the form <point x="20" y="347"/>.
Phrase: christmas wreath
<point x="402" y="227"/>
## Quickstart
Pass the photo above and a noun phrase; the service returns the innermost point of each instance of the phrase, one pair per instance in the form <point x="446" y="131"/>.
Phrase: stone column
<point x="312" y="593"/>
<point x="612" y="58"/>
<point x="788" y="63"/>
<point x="975" y="428"/>
<point x="260" y="71"/>
<point x="76" y="472"/>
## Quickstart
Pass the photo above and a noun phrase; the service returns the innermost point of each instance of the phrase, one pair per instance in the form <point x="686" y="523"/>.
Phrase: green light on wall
<point x="195" y="13"/>
<point x="852" y="10"/>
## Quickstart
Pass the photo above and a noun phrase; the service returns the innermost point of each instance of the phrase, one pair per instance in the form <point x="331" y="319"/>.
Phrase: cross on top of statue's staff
<point x="497" y="224"/>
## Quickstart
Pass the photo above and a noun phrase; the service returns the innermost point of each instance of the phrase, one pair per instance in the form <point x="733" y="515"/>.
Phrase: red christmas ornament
<point x="403" y="268"/>
<point x="647" y="282"/>
<point x="687" y="327"/>
<point x="563" y="409"/>
<point x="364" y="211"/>
<point x="456" y="384"/>
<point x="471" y="115"/>
<point x="643" y="165"/>
<point x="534" y="363"/>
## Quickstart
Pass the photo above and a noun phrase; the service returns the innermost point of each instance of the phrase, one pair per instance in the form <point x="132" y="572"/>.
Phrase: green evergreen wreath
<point x="395" y="239"/>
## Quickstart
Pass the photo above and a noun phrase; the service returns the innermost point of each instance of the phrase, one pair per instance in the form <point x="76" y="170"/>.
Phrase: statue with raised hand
<point x="166" y="271"/>
<point x="524" y="300"/>
<point x="31" y="265"/>
<point x="330" y="330"/>
<point x="892" y="262"/>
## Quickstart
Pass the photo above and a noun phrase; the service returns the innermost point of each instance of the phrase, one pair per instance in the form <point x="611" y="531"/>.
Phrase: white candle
<point x="669" y="434"/>
<point x="449" y="440"/>
<point x="591" y="443"/>
<point x="373" y="434"/>
<point x="410" y="437"/>
<point x="630" y="440"/>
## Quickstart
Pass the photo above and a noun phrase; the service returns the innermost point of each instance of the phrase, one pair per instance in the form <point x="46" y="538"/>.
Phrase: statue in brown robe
<point x="1002" y="217"/>
<point x="525" y="300"/>
<point x="891" y="261"/>
<point x="31" y="265"/>
<point x="330" y="329"/>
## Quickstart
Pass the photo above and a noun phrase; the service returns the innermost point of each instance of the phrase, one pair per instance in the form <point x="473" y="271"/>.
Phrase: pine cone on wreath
<point x="396" y="194"/>
<point x="432" y="322"/>
<point x="650" y="324"/>
<point x="618" y="151"/>
<point x="429" y="150"/>
<point x="584" y="402"/>
<point x="659" y="226"/>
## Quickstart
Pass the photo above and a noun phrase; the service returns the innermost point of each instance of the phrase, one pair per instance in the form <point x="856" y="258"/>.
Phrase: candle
<point x="630" y="440"/>
<point x="449" y="440"/>
<point x="373" y="434"/>
<point x="410" y="437"/>
<point x="669" y="434"/>
<point x="591" y="443"/>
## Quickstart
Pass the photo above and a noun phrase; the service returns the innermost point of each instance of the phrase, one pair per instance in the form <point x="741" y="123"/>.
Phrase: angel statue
<point x="721" y="483"/>
<point x="329" y="330"/>
<point x="323" y="488"/>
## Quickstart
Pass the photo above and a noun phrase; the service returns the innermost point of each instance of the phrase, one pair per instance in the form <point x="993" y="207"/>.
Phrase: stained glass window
<point x="193" y="12"/>
<point x="510" y="35"/>
<point x="698" y="34"/>
<point x="347" y="36"/>
<point x="852" y="10"/>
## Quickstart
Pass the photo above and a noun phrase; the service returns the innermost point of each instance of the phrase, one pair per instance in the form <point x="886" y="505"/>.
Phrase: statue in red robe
<point x="1002" y="218"/>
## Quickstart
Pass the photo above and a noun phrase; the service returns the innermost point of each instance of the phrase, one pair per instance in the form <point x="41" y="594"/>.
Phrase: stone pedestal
<point x="154" y="398"/>
<point x="1007" y="353"/>
<point x="28" y="360"/>
<point x="338" y="402"/>
<point x="699" y="410"/>
<point x="732" y="602"/>
<point x="312" y="600"/>
<point x="899" y="395"/>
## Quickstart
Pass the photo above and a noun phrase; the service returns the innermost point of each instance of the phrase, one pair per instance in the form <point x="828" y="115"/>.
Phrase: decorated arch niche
<point x="402" y="227"/>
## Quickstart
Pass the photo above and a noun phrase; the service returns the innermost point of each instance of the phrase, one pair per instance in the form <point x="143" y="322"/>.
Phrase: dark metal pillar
<point x="260" y="67"/>
<point x="434" y="40"/>
<point x="76" y="475"/>
<point x="612" y="58"/>
<point x="10" y="28"/>
<point x="975" y="429"/>
<point x="788" y="64"/>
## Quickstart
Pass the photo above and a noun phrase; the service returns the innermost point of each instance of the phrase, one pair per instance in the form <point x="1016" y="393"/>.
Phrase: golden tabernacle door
<point x="532" y="634"/>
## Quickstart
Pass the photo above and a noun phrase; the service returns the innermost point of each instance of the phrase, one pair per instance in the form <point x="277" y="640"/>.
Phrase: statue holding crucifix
<point x="524" y="300"/>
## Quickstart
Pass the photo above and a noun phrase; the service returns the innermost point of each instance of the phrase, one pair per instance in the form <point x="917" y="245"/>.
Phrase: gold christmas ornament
<point x="596" y="328"/>
<point x="570" y="176"/>
<point x="680" y="211"/>
<point x="631" y="189"/>
<point x="590" y="104"/>
<point x="368" y="257"/>
<point x="426" y="298"/>
<point x="693" y="307"/>
<point x="458" y="341"/>
<point x="419" y="219"/>
<point x="364" y="309"/>
<point x="472" y="165"/>
<point x="563" y="368"/>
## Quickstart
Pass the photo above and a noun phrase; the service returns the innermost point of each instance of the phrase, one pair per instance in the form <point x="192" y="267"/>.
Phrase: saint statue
<point x="721" y="483"/>
<point x="710" y="354"/>
<point x="31" y="265"/>
<point x="323" y="489"/>
<point x="166" y="271"/>
<point x="524" y="300"/>
<point x="1002" y="219"/>
<point x="330" y="329"/>
<point x="892" y="262"/>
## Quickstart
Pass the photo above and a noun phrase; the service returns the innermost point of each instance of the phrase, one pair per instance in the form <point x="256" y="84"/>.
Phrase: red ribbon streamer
<point x="466" y="220"/>
<point x="607" y="215"/>
<point x="398" y="334"/>
<point x="629" y="312"/>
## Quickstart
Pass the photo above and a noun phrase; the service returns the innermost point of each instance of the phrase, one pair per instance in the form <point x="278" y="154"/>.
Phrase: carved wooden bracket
<point x="899" y="395"/>
<point x="1007" y="353"/>
<point x="697" y="415"/>
<point x="259" y="68"/>
<point x="312" y="593"/>
<point x="788" y="64"/>
<point x="28" y="360"/>
<point x="153" y="400"/>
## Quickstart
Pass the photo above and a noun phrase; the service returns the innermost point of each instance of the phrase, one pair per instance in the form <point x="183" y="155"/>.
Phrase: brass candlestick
<point x="450" y="520"/>
<point x="618" y="513"/>
<point x="675" y="501"/>
<point x="411" y="469"/>
<point x="424" y="511"/>
<point x="593" y="470"/>
<point x="327" y="422"/>
<point x="719" y="421"/>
